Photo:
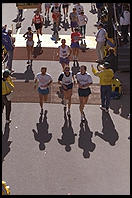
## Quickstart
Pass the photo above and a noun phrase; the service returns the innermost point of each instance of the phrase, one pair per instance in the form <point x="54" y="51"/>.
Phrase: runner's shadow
<point x="42" y="135"/>
<point x="109" y="133"/>
<point x="85" y="139"/>
<point x="68" y="135"/>
<point x="5" y="143"/>
<point x="65" y="24"/>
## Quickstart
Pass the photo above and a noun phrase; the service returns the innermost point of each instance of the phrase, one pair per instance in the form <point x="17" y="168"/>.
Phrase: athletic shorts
<point x="64" y="60"/>
<point x="65" y="6"/>
<point x="30" y="43"/>
<point x="84" y="92"/>
<point x="43" y="91"/>
<point x="38" y="26"/>
<point x="74" y="24"/>
<point x="68" y="87"/>
<point x="75" y="45"/>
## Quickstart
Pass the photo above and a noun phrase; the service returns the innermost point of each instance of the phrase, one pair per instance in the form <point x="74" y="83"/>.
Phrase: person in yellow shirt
<point x="106" y="75"/>
<point x="7" y="89"/>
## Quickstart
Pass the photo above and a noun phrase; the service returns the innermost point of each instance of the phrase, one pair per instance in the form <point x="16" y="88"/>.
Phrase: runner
<point x="44" y="80"/>
<point x="65" y="7"/>
<point x="75" y="37"/>
<point x="83" y="19"/>
<point x="29" y="44"/>
<point x="47" y="9"/>
<point x="64" y="52"/>
<point x="84" y="80"/>
<point x="56" y="15"/>
<point x="65" y="79"/>
<point x="74" y="19"/>
<point x="38" y="22"/>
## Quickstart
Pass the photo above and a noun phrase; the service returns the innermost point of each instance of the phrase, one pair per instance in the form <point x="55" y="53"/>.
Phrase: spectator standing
<point x="11" y="51"/>
<point x="65" y="7"/>
<point x="7" y="89"/>
<point x="83" y="19"/>
<point x="44" y="79"/>
<point x="125" y="22"/>
<point x="100" y="38"/>
<point x="106" y="75"/>
<point x="74" y="19"/>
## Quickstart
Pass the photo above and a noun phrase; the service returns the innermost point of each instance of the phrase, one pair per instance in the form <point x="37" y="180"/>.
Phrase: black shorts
<point x="38" y="26"/>
<point x="65" y="6"/>
<point x="68" y="87"/>
<point x="84" y="92"/>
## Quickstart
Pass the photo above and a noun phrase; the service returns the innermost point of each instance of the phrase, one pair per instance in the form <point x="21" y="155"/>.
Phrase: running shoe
<point x="41" y="111"/>
<point x="68" y="112"/>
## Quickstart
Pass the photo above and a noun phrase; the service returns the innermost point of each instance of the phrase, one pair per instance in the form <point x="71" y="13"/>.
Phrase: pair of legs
<point x="39" y="29"/>
<point x="100" y="50"/>
<point x="64" y="62"/>
<point x="29" y="52"/>
<point x="56" y="19"/>
<point x="83" y="30"/>
<point x="47" y="9"/>
<point x="83" y="101"/>
<point x="75" y="53"/>
<point x="67" y="97"/>
<point x="7" y="104"/>
<point x="42" y="99"/>
<point x="65" y="10"/>
<point x="105" y="95"/>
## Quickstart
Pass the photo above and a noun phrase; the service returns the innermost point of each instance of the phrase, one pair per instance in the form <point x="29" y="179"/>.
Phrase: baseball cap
<point x="106" y="64"/>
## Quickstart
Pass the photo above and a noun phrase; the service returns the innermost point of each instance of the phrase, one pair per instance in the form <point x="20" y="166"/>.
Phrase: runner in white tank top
<point x="63" y="53"/>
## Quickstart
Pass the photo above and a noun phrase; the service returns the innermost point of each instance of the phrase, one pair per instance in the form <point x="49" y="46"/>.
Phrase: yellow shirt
<point x="7" y="86"/>
<point x="105" y="76"/>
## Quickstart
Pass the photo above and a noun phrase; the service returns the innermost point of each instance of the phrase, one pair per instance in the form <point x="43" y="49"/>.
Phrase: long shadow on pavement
<point x="68" y="135"/>
<point x="42" y="135"/>
<point x="85" y="139"/>
<point x="121" y="106"/>
<point x="109" y="133"/>
<point x="5" y="143"/>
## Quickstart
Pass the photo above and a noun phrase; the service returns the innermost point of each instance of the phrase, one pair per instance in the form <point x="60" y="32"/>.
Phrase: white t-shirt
<point x="79" y="8"/>
<point x="101" y="34"/>
<point x="84" y="79"/>
<point x="126" y="19"/>
<point x="66" y="80"/>
<point x="43" y="80"/>
<point x="82" y="19"/>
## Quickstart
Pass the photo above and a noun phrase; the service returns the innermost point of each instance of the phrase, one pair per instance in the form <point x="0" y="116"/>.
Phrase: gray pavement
<point x="53" y="171"/>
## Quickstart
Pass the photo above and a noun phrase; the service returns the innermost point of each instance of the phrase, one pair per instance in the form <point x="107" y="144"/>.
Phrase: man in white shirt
<point x="125" y="22"/>
<point x="100" y="38"/>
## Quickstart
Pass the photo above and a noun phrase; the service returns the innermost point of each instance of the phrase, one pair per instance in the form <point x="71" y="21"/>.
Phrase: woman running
<point x="66" y="79"/>
<point x="64" y="52"/>
<point x="29" y="44"/>
<point x="84" y="80"/>
<point x="44" y="80"/>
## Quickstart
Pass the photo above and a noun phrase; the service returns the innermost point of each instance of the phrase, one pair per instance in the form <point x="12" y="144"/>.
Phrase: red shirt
<point x="75" y="37"/>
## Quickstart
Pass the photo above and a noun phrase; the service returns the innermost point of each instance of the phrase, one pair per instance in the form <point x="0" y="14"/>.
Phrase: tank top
<point x="37" y="19"/>
<point x="64" y="51"/>
<point x="29" y="36"/>
<point x="67" y="80"/>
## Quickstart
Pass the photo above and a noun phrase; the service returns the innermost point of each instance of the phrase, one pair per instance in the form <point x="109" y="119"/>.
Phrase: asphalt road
<point x="29" y="170"/>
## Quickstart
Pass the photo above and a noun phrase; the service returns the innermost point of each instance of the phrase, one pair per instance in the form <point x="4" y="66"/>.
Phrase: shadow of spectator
<point x="109" y="133"/>
<point x="65" y="24"/>
<point x="85" y="139"/>
<point x="68" y="135"/>
<point x="5" y="143"/>
<point x="121" y="106"/>
<point x="27" y="75"/>
<point x="42" y="135"/>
